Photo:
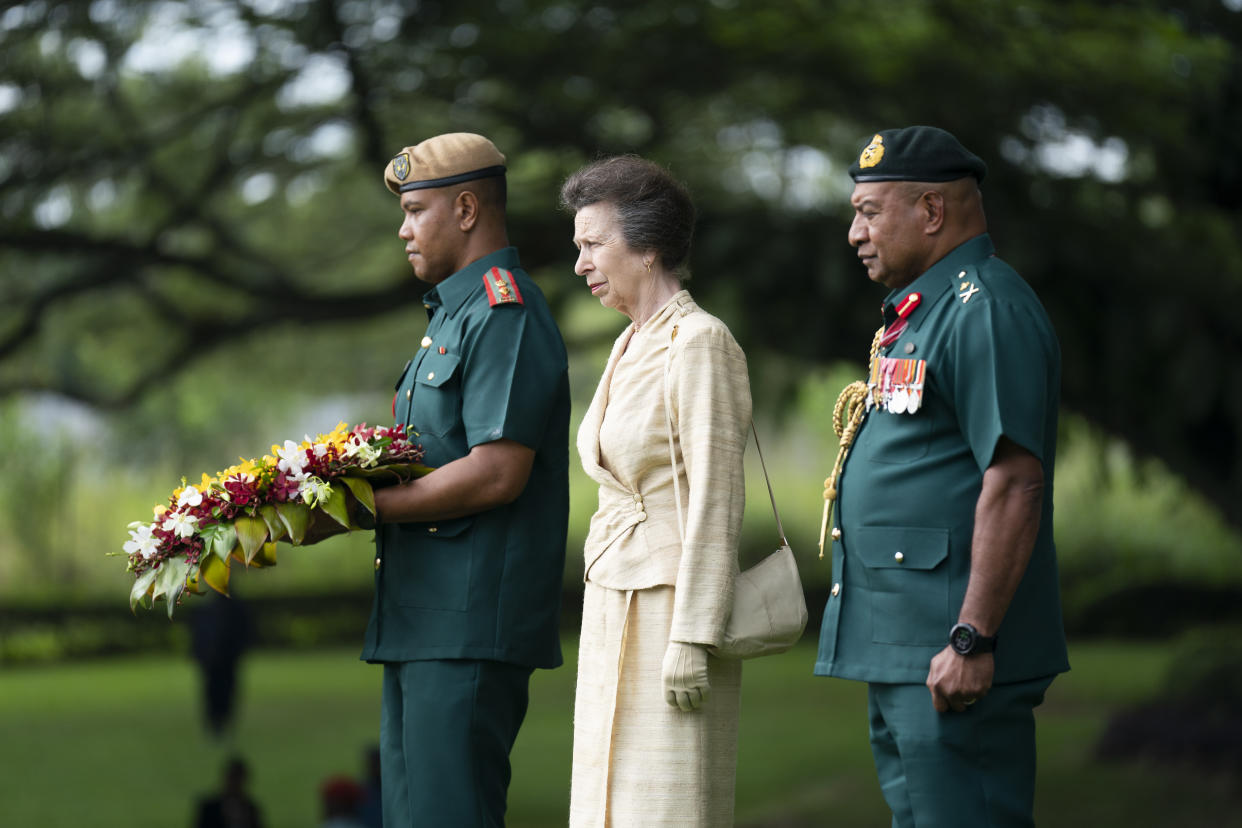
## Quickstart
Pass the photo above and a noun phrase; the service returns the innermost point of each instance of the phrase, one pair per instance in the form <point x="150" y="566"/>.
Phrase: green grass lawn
<point x="119" y="743"/>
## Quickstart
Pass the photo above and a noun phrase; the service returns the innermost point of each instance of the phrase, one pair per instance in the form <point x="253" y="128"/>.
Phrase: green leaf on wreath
<point x="141" y="585"/>
<point x="392" y="473"/>
<point x="251" y="533"/>
<point x="220" y="539"/>
<point x="165" y="579"/>
<point x="215" y="573"/>
<point x="369" y="474"/>
<point x="170" y="582"/>
<point x="266" y="556"/>
<point x="275" y="528"/>
<point x="361" y="490"/>
<point x="296" y="517"/>
<point x="336" y="507"/>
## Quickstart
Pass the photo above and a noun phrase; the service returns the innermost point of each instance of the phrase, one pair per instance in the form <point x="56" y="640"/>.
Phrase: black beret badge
<point x="401" y="166"/>
<point x="872" y="153"/>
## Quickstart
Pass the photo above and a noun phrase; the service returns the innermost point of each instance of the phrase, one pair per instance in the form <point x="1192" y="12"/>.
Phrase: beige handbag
<point x="769" y="608"/>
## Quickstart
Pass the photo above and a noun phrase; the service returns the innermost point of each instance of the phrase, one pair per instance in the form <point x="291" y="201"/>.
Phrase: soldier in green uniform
<point x="470" y="557"/>
<point x="944" y="595"/>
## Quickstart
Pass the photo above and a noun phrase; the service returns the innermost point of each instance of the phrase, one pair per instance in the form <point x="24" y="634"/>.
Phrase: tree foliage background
<point x="184" y="180"/>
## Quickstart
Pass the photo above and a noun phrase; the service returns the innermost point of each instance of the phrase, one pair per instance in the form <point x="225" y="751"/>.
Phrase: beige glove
<point x="685" y="675"/>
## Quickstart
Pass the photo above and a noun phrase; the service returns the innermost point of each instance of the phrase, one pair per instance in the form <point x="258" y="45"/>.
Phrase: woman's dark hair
<point x="654" y="208"/>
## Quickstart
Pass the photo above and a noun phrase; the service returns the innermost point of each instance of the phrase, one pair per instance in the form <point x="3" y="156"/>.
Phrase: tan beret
<point x="443" y="160"/>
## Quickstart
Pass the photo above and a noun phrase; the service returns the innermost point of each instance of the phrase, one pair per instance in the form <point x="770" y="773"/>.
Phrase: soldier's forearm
<point x="491" y="475"/>
<point x="1006" y="526"/>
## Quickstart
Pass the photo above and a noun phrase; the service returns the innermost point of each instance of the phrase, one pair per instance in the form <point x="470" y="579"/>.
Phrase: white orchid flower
<point x="369" y="455"/>
<point x="292" y="460"/>
<point x="190" y="496"/>
<point x="141" y="540"/>
<point x="314" y="491"/>
<point x="181" y="525"/>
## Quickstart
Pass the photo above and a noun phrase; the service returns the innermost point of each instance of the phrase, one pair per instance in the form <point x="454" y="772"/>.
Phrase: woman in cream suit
<point x="655" y="714"/>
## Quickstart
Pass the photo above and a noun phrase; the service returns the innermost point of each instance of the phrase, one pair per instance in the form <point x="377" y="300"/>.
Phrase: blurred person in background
<point x="371" y="805"/>
<point x="220" y="631"/>
<point x="232" y="806"/>
<point x="339" y="798"/>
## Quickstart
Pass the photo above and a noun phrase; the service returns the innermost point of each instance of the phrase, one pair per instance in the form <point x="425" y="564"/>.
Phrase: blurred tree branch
<point x="175" y="177"/>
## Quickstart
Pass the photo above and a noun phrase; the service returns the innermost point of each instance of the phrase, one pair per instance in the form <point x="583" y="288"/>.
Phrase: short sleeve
<point x="1004" y="370"/>
<point x="510" y="379"/>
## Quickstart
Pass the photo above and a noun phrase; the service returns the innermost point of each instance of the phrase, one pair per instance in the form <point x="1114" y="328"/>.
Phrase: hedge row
<point x="39" y="634"/>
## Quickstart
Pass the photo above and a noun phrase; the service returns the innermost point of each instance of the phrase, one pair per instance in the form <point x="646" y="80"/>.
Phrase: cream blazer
<point x="633" y="541"/>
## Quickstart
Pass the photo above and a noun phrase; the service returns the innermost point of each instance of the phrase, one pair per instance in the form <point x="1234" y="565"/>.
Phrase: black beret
<point x="917" y="153"/>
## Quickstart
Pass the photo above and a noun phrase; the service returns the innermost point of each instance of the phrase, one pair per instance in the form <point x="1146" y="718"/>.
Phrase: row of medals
<point x="896" y="385"/>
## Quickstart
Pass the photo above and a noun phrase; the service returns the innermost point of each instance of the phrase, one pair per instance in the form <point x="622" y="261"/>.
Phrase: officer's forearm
<point x="491" y="475"/>
<point x="1006" y="526"/>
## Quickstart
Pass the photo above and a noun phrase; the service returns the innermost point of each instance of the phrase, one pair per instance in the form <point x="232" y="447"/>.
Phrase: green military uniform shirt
<point x="907" y="494"/>
<point x="491" y="366"/>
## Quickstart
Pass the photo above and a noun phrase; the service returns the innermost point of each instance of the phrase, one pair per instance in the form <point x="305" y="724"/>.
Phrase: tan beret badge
<point x="872" y="153"/>
<point x="401" y="166"/>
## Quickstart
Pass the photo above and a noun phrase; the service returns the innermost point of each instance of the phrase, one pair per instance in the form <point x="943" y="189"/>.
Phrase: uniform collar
<point x="453" y="292"/>
<point x="938" y="278"/>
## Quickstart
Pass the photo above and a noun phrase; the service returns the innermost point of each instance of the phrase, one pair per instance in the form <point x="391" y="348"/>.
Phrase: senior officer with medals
<point x="470" y="557"/>
<point x="945" y="596"/>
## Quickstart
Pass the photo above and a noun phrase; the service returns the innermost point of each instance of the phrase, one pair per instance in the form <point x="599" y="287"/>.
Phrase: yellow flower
<point x="338" y="437"/>
<point x="244" y="467"/>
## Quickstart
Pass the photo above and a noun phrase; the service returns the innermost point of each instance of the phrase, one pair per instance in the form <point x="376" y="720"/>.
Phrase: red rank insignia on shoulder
<point x="501" y="287"/>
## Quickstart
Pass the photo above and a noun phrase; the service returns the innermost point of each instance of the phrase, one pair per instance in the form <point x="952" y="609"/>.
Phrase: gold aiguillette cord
<point x="847" y="417"/>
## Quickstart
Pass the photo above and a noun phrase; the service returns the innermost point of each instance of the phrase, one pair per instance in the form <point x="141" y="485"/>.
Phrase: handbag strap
<point x="775" y="512"/>
<point x="672" y="454"/>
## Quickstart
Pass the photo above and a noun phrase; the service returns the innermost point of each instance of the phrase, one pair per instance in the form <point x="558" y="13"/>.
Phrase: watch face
<point x="962" y="639"/>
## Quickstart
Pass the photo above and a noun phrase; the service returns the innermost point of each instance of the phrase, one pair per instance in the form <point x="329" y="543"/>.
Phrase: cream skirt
<point x="639" y="761"/>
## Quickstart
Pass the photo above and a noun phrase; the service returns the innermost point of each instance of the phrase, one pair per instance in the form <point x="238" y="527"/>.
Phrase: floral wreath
<point x="242" y="512"/>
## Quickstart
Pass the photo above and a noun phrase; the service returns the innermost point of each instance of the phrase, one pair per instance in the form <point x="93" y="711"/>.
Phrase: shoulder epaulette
<point x="502" y="287"/>
<point x="967" y="284"/>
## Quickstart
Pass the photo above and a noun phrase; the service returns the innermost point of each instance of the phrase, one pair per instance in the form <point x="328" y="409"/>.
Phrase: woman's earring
<point x="649" y="265"/>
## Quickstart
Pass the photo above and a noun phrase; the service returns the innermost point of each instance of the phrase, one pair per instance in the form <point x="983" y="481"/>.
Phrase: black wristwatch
<point x="966" y="640"/>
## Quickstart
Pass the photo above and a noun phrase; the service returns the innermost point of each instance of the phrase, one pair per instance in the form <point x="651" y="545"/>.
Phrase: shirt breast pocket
<point x="435" y="406"/>
<point x="897" y="438"/>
